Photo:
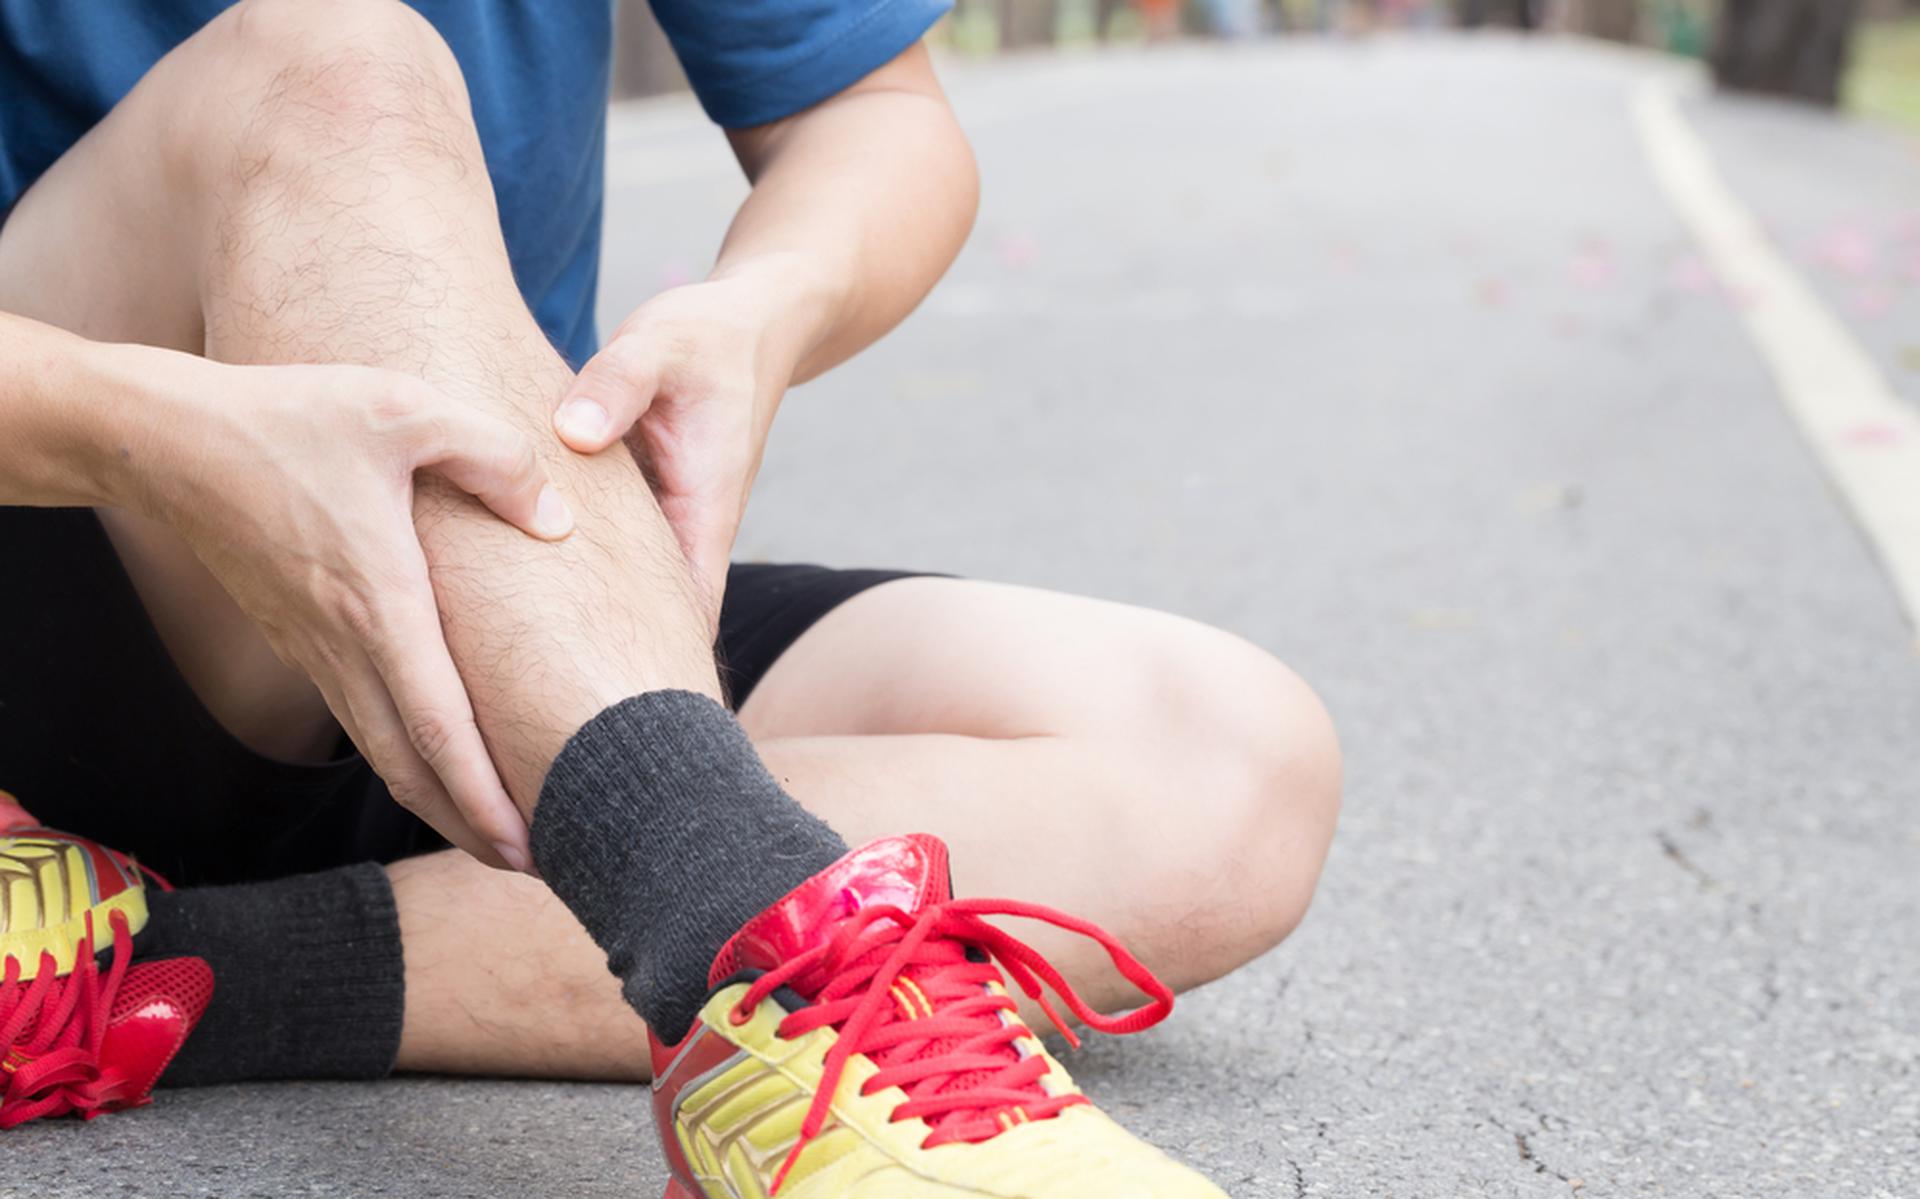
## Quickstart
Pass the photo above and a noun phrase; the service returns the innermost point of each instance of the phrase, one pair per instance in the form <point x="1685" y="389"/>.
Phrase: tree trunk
<point x="643" y="61"/>
<point x="1026" y="23"/>
<point x="1524" y="14"/>
<point x="1792" y="48"/>
<point x="1616" y="20"/>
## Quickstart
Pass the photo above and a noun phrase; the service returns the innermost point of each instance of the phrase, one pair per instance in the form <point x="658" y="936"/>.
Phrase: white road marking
<point x="1866" y="438"/>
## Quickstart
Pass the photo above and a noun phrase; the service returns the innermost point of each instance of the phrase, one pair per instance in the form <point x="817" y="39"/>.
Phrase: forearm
<point x="858" y="207"/>
<point x="61" y="398"/>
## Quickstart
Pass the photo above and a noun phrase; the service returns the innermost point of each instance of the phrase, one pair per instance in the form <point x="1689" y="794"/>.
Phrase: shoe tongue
<point x="908" y="873"/>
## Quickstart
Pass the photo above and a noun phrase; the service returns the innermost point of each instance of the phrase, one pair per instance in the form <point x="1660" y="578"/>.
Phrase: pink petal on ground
<point x="1019" y="249"/>
<point x="1492" y="293"/>
<point x="1592" y="269"/>
<point x="1692" y="274"/>
<point x="1874" y="434"/>
<point x="1847" y="249"/>
<point x="1872" y="303"/>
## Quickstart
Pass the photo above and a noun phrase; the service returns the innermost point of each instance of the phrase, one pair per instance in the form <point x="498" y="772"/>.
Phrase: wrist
<point x="797" y="300"/>
<point x="88" y="393"/>
<point x="135" y="395"/>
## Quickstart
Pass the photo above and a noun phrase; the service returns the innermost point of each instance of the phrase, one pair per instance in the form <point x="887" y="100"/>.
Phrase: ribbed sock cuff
<point x="309" y="981"/>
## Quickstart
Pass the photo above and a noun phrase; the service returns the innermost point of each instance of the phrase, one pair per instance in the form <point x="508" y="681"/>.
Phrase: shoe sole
<point x="48" y="889"/>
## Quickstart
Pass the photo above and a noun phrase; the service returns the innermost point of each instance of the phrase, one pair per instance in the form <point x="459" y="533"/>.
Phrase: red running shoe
<point x="75" y="1041"/>
<point x="860" y="1043"/>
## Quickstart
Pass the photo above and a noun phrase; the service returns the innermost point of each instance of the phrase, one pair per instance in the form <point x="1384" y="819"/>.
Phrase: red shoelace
<point x="904" y="990"/>
<point x="51" y="1031"/>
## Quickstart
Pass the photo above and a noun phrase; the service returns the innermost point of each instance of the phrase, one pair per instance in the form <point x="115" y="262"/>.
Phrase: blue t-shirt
<point x="538" y="74"/>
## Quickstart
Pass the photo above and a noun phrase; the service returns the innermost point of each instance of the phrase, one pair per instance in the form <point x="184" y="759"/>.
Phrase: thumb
<point x="496" y="463"/>
<point x="608" y="397"/>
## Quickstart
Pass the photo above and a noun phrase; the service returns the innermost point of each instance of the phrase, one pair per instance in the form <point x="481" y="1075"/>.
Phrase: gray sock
<point x="661" y="830"/>
<point x="307" y="976"/>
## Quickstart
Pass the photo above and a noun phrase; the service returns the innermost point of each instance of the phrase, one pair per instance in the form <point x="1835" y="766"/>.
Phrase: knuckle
<point x="360" y="619"/>
<point x="432" y="735"/>
<point x="389" y="754"/>
<point x="397" y="406"/>
<point x="432" y="434"/>
<point x="522" y="462"/>
<point x="326" y="656"/>
<point x="410" y="795"/>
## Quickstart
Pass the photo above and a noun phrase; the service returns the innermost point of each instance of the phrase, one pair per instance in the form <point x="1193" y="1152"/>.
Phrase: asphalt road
<point x="1392" y="358"/>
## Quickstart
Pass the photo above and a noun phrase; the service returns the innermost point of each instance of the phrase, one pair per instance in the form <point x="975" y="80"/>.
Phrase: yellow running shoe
<point x="55" y="886"/>
<point x="859" y="1043"/>
<point x="77" y="1039"/>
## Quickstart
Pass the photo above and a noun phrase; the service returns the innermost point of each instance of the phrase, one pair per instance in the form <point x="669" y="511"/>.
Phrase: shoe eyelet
<point x="736" y="1017"/>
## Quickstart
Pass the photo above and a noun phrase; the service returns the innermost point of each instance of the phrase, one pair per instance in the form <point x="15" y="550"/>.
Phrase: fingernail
<point x="582" y="420"/>
<point x="512" y="855"/>
<point x="551" y="516"/>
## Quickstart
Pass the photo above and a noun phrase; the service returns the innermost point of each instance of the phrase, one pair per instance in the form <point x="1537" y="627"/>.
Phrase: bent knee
<point x="1288" y="803"/>
<point x="352" y="73"/>
<point x="282" y="33"/>
<point x="1253" y="774"/>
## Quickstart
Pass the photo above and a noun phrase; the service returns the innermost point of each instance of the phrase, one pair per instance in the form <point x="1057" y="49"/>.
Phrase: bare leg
<point x="1117" y="744"/>
<point x="1165" y="780"/>
<point x="314" y="192"/>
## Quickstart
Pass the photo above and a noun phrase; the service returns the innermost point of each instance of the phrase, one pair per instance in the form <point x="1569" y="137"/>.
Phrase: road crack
<point x="1524" y="1146"/>
<point x="1678" y="857"/>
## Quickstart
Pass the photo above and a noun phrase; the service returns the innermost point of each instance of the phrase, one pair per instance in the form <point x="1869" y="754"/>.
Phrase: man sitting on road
<point x="308" y="512"/>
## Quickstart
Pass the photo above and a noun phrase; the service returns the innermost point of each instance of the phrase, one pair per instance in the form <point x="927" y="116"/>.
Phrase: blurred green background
<point x="1863" y="55"/>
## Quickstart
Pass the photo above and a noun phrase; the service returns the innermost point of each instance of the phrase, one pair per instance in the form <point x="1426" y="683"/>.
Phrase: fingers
<point x="364" y="710"/>
<point x="609" y="395"/>
<point x="496" y="464"/>
<point x="435" y="723"/>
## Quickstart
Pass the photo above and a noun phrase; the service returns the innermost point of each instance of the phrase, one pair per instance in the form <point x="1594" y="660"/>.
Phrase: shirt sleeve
<point x="755" y="61"/>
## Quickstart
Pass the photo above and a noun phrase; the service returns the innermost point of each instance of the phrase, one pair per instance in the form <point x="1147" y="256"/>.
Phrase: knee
<point x="354" y="74"/>
<point x="1253" y="781"/>
<point x="300" y="36"/>
<point x="1287" y="804"/>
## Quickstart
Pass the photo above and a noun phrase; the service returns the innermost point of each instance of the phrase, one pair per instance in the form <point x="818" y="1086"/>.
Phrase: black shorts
<point x="100" y="735"/>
